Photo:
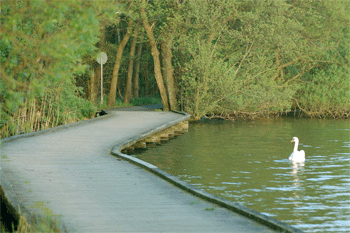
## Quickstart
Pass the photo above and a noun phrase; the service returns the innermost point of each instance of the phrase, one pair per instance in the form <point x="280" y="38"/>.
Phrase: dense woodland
<point x="228" y="58"/>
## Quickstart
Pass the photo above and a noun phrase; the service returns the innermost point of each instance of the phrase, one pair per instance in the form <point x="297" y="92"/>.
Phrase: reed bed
<point x="39" y="114"/>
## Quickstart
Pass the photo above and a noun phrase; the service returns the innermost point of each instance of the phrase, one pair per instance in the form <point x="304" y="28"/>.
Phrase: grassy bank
<point x="13" y="221"/>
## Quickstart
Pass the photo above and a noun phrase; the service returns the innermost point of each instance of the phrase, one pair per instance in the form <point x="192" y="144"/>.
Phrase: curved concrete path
<point x="71" y="171"/>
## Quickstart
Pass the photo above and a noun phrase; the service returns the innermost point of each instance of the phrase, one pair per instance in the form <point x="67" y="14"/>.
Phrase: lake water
<point x="247" y="162"/>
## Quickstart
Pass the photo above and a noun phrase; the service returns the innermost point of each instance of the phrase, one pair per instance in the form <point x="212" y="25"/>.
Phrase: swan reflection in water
<point x="297" y="167"/>
<point x="298" y="192"/>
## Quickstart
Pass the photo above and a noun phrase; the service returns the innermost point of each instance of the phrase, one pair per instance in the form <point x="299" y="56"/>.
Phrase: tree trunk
<point x="164" y="57"/>
<point x="114" y="81"/>
<point x="169" y="71"/>
<point x="92" y="94"/>
<point x="155" y="54"/>
<point x="137" y="69"/>
<point x="146" y="79"/>
<point x="130" y="67"/>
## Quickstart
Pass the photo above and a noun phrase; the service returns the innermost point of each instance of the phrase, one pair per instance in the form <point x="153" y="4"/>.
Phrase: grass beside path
<point x="15" y="222"/>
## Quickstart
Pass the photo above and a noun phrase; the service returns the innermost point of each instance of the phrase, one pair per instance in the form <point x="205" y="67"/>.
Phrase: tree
<point x="155" y="54"/>
<point x="324" y="89"/>
<point x="266" y="51"/>
<point x="121" y="46"/>
<point x="167" y="39"/>
<point x="41" y="54"/>
<point x="169" y="72"/>
<point x="137" y="69"/>
<point x="131" y="66"/>
<point x="225" y="58"/>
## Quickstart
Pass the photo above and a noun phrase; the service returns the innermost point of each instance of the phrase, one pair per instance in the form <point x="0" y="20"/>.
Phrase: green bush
<point x="326" y="92"/>
<point x="206" y="82"/>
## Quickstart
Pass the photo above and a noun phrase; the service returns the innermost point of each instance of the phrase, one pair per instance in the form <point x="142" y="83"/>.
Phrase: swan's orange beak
<point x="292" y="141"/>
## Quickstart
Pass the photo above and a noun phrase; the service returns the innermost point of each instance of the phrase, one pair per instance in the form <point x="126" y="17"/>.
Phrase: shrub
<point x="326" y="92"/>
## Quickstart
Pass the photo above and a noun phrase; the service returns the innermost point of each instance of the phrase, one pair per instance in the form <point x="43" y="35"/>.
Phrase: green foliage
<point x="206" y="82"/>
<point x="133" y="102"/>
<point x="230" y="69"/>
<point x="230" y="58"/>
<point x="250" y="58"/>
<point x="326" y="92"/>
<point x="145" y="101"/>
<point x="42" y="48"/>
<point x="118" y="103"/>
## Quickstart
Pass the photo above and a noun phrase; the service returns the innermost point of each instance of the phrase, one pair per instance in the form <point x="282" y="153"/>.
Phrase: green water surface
<point x="247" y="162"/>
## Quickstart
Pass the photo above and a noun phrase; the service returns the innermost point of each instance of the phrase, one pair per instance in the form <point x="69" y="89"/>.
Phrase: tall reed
<point x="38" y="114"/>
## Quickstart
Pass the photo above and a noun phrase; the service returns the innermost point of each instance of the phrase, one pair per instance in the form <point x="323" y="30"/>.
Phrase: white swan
<point x="297" y="156"/>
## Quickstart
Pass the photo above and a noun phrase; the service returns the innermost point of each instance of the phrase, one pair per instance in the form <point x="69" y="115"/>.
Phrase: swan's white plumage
<point x="297" y="156"/>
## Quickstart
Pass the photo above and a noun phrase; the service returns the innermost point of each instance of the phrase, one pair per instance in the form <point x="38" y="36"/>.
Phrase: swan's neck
<point x="296" y="147"/>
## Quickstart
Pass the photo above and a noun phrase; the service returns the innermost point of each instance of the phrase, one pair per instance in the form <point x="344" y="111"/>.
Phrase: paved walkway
<point x="72" y="172"/>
